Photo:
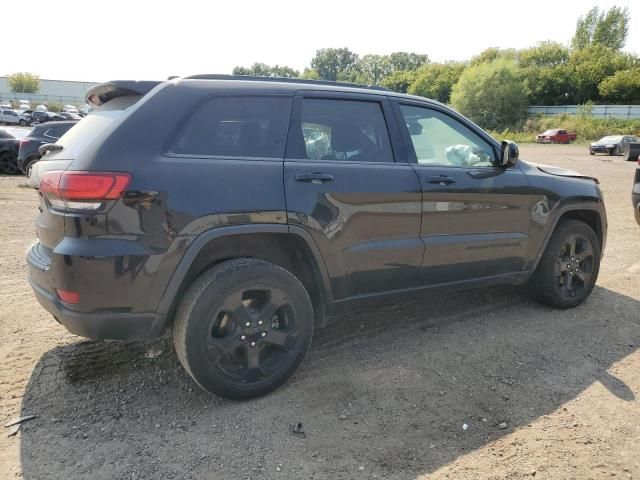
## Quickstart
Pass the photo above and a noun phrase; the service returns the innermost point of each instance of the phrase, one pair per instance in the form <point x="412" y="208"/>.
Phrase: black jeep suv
<point x="260" y="205"/>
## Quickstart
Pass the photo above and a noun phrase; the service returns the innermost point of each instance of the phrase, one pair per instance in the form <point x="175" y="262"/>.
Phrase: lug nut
<point x="259" y="322"/>
<point x="253" y="344"/>
<point x="264" y="334"/>
<point x="248" y="324"/>
<point x="243" y="337"/>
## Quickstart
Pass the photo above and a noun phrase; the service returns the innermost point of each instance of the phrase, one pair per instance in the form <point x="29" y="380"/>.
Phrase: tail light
<point x="78" y="191"/>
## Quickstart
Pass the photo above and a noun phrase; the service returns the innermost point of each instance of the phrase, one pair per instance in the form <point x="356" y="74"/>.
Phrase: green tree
<point x="606" y="28"/>
<point x="310" y="74"/>
<point x="591" y="65"/>
<point x="491" y="94"/>
<point x="330" y="62"/>
<point x="263" y="70"/>
<point x="23" y="82"/>
<point x="374" y="68"/>
<point x="436" y="80"/>
<point x="400" y="80"/>
<point x="622" y="87"/>
<point x="544" y="54"/>
<point x="550" y="85"/>
<point x="407" y="61"/>
<point x="494" y="53"/>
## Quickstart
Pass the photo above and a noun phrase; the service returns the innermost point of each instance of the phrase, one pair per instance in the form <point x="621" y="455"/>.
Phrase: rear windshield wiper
<point x="49" y="147"/>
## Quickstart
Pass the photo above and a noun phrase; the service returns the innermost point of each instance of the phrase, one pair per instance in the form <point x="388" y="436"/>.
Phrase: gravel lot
<point x="385" y="392"/>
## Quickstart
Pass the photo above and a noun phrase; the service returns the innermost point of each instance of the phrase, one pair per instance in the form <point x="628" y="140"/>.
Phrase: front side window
<point x="342" y="130"/>
<point x="236" y="127"/>
<point x="439" y="139"/>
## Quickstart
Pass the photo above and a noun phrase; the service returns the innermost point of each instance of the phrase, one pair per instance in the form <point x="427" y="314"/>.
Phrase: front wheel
<point x="569" y="266"/>
<point x="243" y="328"/>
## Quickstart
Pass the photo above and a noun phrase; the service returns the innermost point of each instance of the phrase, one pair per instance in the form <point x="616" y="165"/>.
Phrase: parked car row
<point x="610" y="145"/>
<point x="19" y="152"/>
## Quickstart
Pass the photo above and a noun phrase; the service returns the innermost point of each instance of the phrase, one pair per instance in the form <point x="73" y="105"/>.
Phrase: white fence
<point x="598" y="111"/>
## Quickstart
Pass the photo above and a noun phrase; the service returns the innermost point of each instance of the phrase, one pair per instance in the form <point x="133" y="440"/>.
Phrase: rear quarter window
<point x="234" y="126"/>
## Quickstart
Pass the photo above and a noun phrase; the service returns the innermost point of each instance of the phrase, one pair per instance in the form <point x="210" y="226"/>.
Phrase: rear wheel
<point x="8" y="164"/>
<point x="569" y="266"/>
<point x="23" y="123"/>
<point x="243" y="328"/>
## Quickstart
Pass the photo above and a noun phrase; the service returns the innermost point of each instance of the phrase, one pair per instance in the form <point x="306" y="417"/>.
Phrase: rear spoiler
<point x="101" y="94"/>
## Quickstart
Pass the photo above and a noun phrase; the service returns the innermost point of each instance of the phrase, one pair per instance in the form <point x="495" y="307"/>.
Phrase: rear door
<point x="476" y="215"/>
<point x="344" y="187"/>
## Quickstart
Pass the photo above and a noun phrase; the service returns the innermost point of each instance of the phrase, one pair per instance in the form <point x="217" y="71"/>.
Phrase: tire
<point x="560" y="281"/>
<point x="8" y="164"/>
<point x="591" y="152"/>
<point x="23" y="123"/>
<point x="243" y="328"/>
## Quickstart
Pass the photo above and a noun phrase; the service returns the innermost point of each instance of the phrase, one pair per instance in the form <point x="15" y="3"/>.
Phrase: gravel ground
<point x="483" y="384"/>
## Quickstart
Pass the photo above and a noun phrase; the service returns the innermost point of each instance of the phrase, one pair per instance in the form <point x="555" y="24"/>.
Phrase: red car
<point x="556" y="136"/>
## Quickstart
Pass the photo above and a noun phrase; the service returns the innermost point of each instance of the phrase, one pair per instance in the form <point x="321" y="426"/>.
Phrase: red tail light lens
<point x="83" y="190"/>
<point x="93" y="186"/>
<point x="68" y="296"/>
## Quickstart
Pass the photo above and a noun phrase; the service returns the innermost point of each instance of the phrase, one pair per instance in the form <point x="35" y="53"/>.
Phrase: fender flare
<point x="559" y="212"/>
<point x="204" y="238"/>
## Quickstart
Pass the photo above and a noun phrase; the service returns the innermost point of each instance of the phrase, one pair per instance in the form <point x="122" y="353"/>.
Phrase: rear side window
<point x="342" y="130"/>
<point x="236" y="127"/>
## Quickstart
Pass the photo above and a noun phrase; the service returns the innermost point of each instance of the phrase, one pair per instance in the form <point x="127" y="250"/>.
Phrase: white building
<point x="59" y="91"/>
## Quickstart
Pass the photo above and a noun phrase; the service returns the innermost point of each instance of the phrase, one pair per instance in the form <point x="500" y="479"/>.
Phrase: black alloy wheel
<point x="251" y="333"/>
<point x="243" y="328"/>
<point x="574" y="266"/>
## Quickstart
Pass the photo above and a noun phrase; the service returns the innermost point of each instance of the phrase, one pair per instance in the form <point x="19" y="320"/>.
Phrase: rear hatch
<point x="74" y="203"/>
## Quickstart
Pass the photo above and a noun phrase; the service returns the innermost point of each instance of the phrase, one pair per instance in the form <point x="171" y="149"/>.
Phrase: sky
<point x="92" y="40"/>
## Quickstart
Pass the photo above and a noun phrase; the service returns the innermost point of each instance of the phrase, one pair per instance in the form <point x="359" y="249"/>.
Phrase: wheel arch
<point x="289" y="247"/>
<point x="590" y="213"/>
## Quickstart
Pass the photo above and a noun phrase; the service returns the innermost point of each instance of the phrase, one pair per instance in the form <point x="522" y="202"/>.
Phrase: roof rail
<point x="221" y="76"/>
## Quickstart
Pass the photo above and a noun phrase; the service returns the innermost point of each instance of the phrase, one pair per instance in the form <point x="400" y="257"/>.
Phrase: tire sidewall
<point x="547" y="287"/>
<point x="208" y="303"/>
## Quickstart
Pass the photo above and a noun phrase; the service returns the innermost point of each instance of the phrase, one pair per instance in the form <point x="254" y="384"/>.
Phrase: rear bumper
<point x="103" y="323"/>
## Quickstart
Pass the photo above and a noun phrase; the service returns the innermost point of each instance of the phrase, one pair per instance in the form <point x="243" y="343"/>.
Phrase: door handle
<point x="441" y="180"/>
<point x="314" y="177"/>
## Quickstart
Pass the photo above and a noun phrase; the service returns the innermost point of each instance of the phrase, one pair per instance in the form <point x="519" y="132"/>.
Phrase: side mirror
<point x="509" y="153"/>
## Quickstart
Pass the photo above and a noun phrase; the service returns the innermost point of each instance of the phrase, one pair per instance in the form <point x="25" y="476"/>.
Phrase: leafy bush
<point x="491" y="94"/>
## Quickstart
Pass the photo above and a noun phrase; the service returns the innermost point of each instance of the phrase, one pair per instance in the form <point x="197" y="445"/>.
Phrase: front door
<point x="344" y="187"/>
<point x="476" y="214"/>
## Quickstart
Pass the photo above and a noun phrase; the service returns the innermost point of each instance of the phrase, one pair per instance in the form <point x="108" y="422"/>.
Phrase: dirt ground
<point x="386" y="392"/>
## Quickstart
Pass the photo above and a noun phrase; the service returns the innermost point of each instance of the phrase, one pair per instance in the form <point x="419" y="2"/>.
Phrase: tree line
<point x="495" y="87"/>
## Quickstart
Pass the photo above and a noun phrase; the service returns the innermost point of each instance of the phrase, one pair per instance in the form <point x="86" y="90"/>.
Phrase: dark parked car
<point x="43" y="117"/>
<point x="262" y="205"/>
<point x="612" y="145"/>
<point x="41" y="134"/>
<point x="8" y="153"/>
<point x="70" y="116"/>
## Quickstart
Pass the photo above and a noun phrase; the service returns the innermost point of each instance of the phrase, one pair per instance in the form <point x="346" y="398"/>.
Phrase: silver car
<point x="9" y="117"/>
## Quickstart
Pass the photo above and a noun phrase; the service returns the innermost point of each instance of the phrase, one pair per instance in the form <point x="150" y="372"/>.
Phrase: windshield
<point x="612" y="139"/>
<point x="550" y="132"/>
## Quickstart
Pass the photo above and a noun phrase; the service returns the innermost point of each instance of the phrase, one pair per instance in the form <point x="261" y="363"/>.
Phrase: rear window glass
<point x="236" y="127"/>
<point x="86" y="130"/>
